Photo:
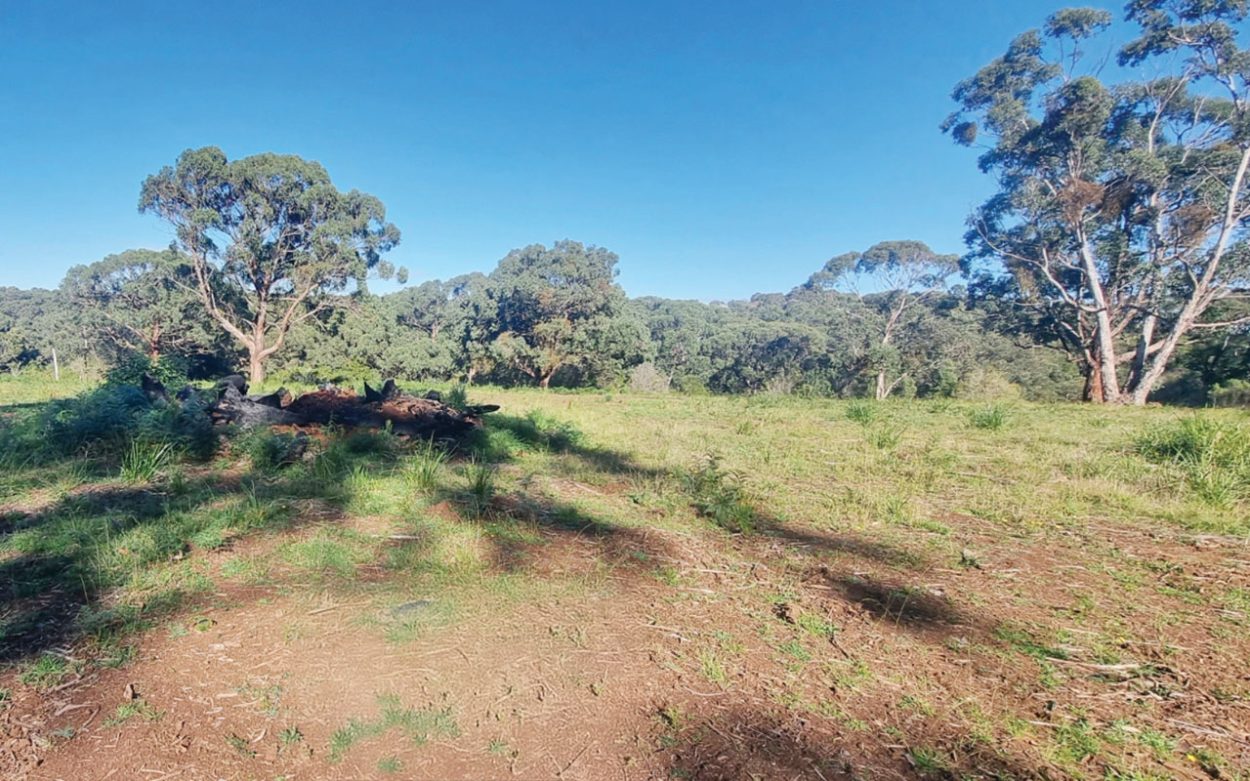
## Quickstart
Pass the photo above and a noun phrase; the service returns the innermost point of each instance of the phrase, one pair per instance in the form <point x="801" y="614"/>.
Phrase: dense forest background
<point x="556" y="316"/>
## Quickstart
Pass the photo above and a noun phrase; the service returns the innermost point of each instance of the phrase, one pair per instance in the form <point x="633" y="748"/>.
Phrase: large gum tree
<point x="1121" y="209"/>
<point x="269" y="238"/>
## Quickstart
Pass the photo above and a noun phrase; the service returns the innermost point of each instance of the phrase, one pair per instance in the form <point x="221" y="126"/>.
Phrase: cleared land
<point x="844" y="590"/>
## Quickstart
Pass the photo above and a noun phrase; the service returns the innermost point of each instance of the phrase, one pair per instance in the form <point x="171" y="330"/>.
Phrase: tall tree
<point x="1121" y="208"/>
<point x="911" y="275"/>
<point x="555" y="307"/>
<point x="269" y="239"/>
<point x="138" y="302"/>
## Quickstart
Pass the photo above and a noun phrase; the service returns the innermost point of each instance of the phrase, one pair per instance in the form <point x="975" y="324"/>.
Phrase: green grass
<point x="417" y="725"/>
<point x="1022" y="550"/>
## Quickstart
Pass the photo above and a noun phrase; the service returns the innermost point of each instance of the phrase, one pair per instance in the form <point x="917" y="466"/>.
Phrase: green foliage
<point x="719" y="495"/>
<point x="1213" y="455"/>
<point x="269" y="450"/>
<point x="861" y="412"/>
<point x="481" y="476"/>
<point x="416" y="725"/>
<point x="425" y="468"/>
<point x="142" y="461"/>
<point x="991" y="417"/>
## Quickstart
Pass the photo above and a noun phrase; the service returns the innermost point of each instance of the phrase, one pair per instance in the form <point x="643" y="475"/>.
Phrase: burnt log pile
<point x="389" y="408"/>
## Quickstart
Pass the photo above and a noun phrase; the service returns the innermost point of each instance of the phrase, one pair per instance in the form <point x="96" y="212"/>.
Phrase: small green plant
<point x="269" y="451"/>
<point x="991" y="417"/>
<point x="720" y="496"/>
<point x="45" y="672"/>
<point x="390" y="765"/>
<point x="1213" y="455"/>
<point x="712" y="667"/>
<point x="128" y="710"/>
<point x="142" y="461"/>
<point x="458" y="397"/>
<point x="240" y="745"/>
<point x="481" y="476"/>
<point x="927" y="761"/>
<point x="885" y="436"/>
<point x="423" y="471"/>
<point x="290" y="736"/>
<point x="416" y="725"/>
<point x="861" y="412"/>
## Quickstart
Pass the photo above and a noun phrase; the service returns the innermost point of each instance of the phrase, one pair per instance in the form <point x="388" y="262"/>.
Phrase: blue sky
<point x="719" y="148"/>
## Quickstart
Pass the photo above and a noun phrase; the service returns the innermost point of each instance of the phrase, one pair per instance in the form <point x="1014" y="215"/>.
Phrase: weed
<point x="128" y="710"/>
<point x="45" y="672"/>
<point x="416" y="725"/>
<point x="1213" y="456"/>
<point x="712" y="667"/>
<point x="142" y="461"/>
<point x="423" y="471"/>
<point x="481" y="476"/>
<point x="240" y="745"/>
<point x="861" y="412"/>
<point x="720" y="496"/>
<point x="885" y="436"/>
<point x="290" y="736"/>
<point x="991" y="417"/>
<point x="390" y="765"/>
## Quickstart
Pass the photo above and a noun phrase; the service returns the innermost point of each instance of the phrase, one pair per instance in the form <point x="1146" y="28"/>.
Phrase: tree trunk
<point x="546" y="379"/>
<point x="882" y="392"/>
<point x="256" y="368"/>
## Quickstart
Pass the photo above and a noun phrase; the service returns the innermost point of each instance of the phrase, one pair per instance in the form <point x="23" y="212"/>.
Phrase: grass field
<point x="620" y="586"/>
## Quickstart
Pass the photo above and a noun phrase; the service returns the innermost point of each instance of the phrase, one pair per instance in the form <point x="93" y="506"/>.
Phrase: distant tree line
<point x="1111" y="264"/>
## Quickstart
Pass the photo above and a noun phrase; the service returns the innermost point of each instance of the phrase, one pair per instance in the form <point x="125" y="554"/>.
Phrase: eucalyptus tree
<point x="269" y="239"/>
<point x="1121" y="208"/>
<point x="555" y="307"/>
<point x="138" y="302"/>
<point x="911" y="275"/>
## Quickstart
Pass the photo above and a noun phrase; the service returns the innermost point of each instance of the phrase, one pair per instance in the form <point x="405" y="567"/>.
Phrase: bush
<point x="720" y="496"/>
<point x="1234" y="393"/>
<point x="988" y="385"/>
<point x="647" y="378"/>
<point x="861" y="412"/>
<point x="269" y="451"/>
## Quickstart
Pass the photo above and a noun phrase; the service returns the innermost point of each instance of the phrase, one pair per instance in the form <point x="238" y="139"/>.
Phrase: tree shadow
<point x="751" y="742"/>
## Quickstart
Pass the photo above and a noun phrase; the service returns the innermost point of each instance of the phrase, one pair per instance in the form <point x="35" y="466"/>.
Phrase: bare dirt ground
<point x="612" y="680"/>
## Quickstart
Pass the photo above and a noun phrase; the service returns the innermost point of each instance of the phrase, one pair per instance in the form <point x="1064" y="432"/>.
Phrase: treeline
<point x="555" y="316"/>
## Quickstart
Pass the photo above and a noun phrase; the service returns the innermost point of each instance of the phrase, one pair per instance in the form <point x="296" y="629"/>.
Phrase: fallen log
<point x="390" y="408"/>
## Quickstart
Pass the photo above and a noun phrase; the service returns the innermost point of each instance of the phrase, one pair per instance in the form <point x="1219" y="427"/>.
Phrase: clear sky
<point x="720" y="148"/>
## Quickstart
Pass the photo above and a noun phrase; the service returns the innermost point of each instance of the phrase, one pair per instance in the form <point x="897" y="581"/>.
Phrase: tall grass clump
<point x="269" y="451"/>
<point x="991" y="417"/>
<point x="861" y="412"/>
<point x="423" y="471"/>
<point x="719" y="495"/>
<point x="143" y="460"/>
<point x="1213" y="455"/>
<point x="481" y="475"/>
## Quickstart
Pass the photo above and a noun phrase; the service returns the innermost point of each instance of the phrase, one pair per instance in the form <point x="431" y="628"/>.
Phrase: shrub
<point x="423" y="471"/>
<point x="647" y="378"/>
<point x="269" y="451"/>
<point x="720" y="496"/>
<point x="142" y="460"/>
<point x="1234" y="393"/>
